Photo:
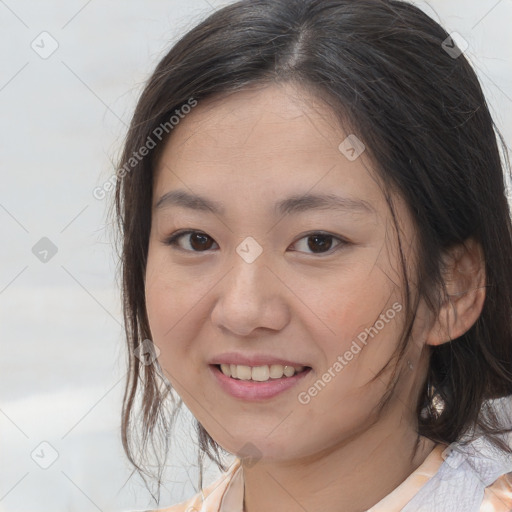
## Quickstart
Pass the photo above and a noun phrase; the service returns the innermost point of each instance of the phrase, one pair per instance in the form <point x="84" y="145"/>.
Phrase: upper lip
<point x="252" y="360"/>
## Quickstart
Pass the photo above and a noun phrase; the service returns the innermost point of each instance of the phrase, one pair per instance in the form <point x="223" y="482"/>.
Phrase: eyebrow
<point x="293" y="204"/>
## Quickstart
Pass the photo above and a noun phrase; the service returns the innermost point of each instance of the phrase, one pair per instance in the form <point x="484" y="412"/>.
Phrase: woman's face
<point x="295" y="260"/>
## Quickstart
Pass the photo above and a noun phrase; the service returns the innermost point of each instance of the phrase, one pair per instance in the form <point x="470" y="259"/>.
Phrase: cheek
<point x="354" y="302"/>
<point x="171" y="334"/>
<point x="365" y="316"/>
<point x="168" y="301"/>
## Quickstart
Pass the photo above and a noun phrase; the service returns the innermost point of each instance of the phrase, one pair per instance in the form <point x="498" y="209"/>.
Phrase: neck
<point x="352" y="475"/>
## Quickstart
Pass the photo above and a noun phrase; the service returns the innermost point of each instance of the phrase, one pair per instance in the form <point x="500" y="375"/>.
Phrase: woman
<point x="317" y="258"/>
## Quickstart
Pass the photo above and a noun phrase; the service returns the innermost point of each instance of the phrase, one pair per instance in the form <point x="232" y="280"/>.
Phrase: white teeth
<point x="288" y="371"/>
<point x="259" y="373"/>
<point x="243" y="372"/>
<point x="276" y="371"/>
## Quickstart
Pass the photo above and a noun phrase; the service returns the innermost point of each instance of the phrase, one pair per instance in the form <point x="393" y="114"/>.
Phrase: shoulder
<point x="498" y="496"/>
<point x="475" y="474"/>
<point x="213" y="494"/>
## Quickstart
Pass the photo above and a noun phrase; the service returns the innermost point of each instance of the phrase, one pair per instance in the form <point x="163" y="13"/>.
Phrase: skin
<point x="249" y="150"/>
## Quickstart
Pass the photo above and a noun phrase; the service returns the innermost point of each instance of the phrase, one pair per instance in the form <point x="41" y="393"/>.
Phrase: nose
<point x="250" y="297"/>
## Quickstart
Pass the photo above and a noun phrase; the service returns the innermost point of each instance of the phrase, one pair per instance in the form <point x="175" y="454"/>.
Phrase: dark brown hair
<point x="383" y="69"/>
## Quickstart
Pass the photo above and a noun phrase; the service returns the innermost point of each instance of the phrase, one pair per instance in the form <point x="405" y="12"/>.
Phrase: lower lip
<point x="252" y="390"/>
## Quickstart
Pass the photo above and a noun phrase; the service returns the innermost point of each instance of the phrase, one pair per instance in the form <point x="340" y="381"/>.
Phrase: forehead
<point x="279" y="117"/>
<point x="272" y="141"/>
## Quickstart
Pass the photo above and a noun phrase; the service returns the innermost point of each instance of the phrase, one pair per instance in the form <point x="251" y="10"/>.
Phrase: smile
<point x="273" y="380"/>
<point x="259" y="373"/>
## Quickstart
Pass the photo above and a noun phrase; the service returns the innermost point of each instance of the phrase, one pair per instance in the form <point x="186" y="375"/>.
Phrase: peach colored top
<point x="453" y="486"/>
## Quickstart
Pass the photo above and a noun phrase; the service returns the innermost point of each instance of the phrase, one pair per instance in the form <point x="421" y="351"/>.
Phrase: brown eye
<point x="319" y="243"/>
<point x="200" y="241"/>
<point x="195" y="241"/>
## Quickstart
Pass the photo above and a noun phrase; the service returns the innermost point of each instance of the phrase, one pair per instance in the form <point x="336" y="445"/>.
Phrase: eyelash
<point x="174" y="238"/>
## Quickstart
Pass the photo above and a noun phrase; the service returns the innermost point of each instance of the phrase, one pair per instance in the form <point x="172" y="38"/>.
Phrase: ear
<point x="464" y="277"/>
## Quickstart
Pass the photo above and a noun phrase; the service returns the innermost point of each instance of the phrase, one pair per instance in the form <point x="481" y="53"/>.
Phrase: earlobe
<point x="464" y="277"/>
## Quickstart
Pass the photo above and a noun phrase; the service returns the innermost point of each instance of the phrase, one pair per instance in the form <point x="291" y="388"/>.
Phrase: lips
<point x="262" y="376"/>
<point x="253" y="391"/>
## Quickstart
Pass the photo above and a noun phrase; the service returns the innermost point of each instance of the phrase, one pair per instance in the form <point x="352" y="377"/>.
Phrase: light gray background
<point x="62" y="122"/>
